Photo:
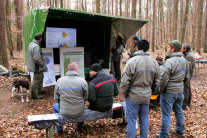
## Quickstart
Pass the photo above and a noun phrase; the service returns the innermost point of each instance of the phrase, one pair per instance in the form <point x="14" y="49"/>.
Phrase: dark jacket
<point x="102" y="89"/>
<point x="191" y="59"/>
<point x="117" y="52"/>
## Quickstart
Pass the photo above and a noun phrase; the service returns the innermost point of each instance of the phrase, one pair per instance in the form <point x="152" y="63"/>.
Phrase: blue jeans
<point x="168" y="102"/>
<point x="134" y="110"/>
<point x="56" y="110"/>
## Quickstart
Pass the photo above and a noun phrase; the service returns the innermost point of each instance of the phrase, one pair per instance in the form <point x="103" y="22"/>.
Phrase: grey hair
<point x="72" y="66"/>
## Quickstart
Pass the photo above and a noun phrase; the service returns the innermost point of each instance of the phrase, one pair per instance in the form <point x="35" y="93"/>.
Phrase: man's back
<point x="173" y="73"/>
<point x="138" y="76"/>
<point x="102" y="89"/>
<point x="71" y="91"/>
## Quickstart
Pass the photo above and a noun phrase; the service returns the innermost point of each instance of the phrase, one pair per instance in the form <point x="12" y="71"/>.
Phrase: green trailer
<point x="95" y="32"/>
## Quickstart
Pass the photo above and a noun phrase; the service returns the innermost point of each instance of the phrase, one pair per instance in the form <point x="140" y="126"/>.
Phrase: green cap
<point x="176" y="44"/>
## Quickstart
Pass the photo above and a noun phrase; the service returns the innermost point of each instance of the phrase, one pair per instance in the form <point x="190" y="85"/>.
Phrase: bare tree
<point x="8" y="27"/>
<point x="120" y="6"/>
<point x="199" y="25"/>
<point x="126" y="8"/>
<point x="185" y="21"/>
<point x="19" y="17"/>
<point x="175" y="25"/>
<point x="3" y="51"/>
<point x="205" y="33"/>
<point x="153" y="27"/>
<point x="116" y="7"/>
<point x="97" y="6"/>
<point x="133" y="12"/>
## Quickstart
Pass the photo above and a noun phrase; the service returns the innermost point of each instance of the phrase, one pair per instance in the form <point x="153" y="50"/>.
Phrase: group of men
<point x="141" y="76"/>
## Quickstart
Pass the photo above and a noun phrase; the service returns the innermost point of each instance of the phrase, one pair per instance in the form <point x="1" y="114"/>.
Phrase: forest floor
<point x="13" y="113"/>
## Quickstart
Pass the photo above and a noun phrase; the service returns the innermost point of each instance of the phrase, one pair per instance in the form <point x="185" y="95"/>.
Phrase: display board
<point x="72" y="54"/>
<point x="49" y="76"/>
<point x="60" y="37"/>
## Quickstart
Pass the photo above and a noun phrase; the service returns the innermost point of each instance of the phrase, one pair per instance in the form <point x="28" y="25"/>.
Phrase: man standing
<point x="102" y="89"/>
<point x="173" y="74"/>
<point x="140" y="75"/>
<point x="35" y="63"/>
<point x="116" y="58"/>
<point x="136" y="39"/>
<point x="70" y="93"/>
<point x="187" y="87"/>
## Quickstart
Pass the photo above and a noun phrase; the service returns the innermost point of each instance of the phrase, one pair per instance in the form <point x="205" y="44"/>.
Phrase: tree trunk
<point x="175" y="12"/>
<point x="3" y="51"/>
<point x="126" y="8"/>
<point x="85" y="5"/>
<point x="199" y="25"/>
<point x="205" y="34"/>
<point x="133" y="12"/>
<point x="97" y="6"/>
<point x="153" y="27"/>
<point x="61" y="3"/>
<point x="146" y="17"/>
<point x="19" y="17"/>
<point x="185" y="21"/>
<point x="108" y="7"/>
<point x="194" y="25"/>
<point x="120" y="5"/>
<point x="140" y="17"/>
<point x="116" y="7"/>
<point x="8" y="28"/>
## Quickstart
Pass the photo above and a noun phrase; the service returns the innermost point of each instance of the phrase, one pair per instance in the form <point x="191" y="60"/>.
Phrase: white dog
<point x="19" y="85"/>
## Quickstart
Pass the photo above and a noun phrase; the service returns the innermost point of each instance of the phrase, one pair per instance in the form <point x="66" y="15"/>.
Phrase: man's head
<point x="38" y="37"/>
<point x="136" y="38"/>
<point x="73" y="67"/>
<point x="119" y="39"/>
<point x="174" y="46"/>
<point x="95" y="68"/>
<point x="143" y="45"/>
<point x="185" y="48"/>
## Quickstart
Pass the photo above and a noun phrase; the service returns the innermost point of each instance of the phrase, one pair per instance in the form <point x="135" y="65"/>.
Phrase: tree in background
<point x="199" y="25"/>
<point x="3" y="51"/>
<point x="19" y="20"/>
<point x="97" y="6"/>
<point x="205" y="33"/>
<point x="185" y="21"/>
<point x="153" y="27"/>
<point x="175" y="26"/>
<point x="133" y="12"/>
<point x="8" y="28"/>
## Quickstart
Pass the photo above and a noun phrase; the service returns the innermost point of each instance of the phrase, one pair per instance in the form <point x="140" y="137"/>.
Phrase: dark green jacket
<point x="102" y="89"/>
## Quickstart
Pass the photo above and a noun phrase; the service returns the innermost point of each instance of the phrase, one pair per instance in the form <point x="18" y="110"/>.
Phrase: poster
<point x="73" y="54"/>
<point x="60" y="37"/>
<point x="49" y="76"/>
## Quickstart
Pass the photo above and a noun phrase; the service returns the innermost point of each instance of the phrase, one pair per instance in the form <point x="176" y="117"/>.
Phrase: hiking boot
<point x="156" y="136"/>
<point x="176" y="133"/>
<point x="42" y="92"/>
<point x="38" y="97"/>
<point x="184" y="107"/>
<point x="60" y="132"/>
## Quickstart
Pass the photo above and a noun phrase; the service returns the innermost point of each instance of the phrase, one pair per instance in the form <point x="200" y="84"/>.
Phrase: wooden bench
<point x="118" y="111"/>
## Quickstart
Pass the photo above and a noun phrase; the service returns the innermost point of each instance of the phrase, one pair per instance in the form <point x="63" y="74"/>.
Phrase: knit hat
<point x="176" y="45"/>
<point x="136" y="37"/>
<point x="96" y="67"/>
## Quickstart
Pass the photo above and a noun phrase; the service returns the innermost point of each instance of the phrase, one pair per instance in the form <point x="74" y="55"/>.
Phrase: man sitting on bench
<point x="70" y="93"/>
<point x="102" y="89"/>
